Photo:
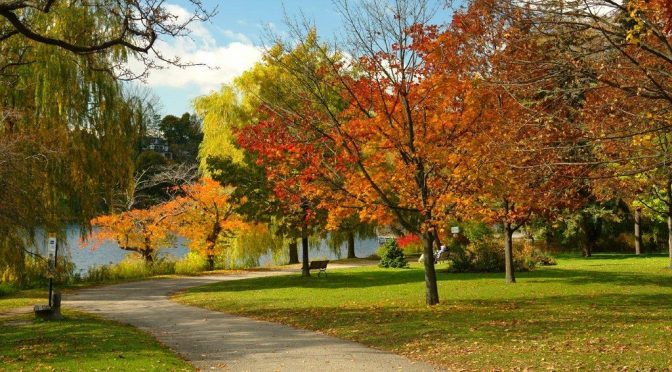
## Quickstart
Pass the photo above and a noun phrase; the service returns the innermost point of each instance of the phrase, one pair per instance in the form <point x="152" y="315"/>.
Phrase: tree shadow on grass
<point x="465" y="323"/>
<point x="377" y="278"/>
<point x="373" y="277"/>
<point x="334" y="280"/>
<point x="583" y="277"/>
<point x="75" y="343"/>
<point x="610" y="256"/>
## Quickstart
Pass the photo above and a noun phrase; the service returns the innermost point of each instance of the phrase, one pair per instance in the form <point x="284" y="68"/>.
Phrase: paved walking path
<point x="216" y="341"/>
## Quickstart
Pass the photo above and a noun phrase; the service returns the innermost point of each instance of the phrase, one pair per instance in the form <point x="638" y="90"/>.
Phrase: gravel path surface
<point x="217" y="341"/>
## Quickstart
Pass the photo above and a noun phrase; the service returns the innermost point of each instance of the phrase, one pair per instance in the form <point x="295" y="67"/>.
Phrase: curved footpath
<point x="216" y="341"/>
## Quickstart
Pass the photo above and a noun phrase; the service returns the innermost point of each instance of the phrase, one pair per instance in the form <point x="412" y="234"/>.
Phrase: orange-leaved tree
<point x="398" y="139"/>
<point x="203" y="214"/>
<point x="143" y="231"/>
<point x="519" y="136"/>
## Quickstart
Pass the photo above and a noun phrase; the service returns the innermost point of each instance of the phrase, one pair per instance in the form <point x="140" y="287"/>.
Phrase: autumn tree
<point x="285" y="163"/>
<point x="203" y="214"/>
<point x="264" y="100"/>
<point x="225" y="114"/>
<point x="518" y="131"/>
<point x="253" y="196"/>
<point x="628" y="111"/>
<point x="609" y="62"/>
<point x="408" y="109"/>
<point x="143" y="231"/>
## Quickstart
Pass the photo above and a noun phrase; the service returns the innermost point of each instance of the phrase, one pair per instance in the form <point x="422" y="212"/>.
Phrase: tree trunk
<point x="431" y="289"/>
<point x="669" y="220"/>
<point x="638" y="230"/>
<point x="304" y="251"/>
<point x="351" y="245"/>
<point x="591" y="234"/>
<point x="148" y="256"/>
<point x="211" y="241"/>
<point x="437" y="238"/>
<point x="508" y="253"/>
<point x="147" y="251"/>
<point x="587" y="249"/>
<point x="293" y="252"/>
<point x="211" y="262"/>
<point x="669" y="235"/>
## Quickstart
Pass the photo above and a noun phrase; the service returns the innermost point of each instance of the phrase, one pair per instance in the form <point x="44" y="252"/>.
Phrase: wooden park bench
<point x="319" y="265"/>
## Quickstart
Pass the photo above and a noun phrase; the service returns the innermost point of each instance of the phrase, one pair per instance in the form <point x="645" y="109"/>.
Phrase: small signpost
<point x="455" y="230"/>
<point x="53" y="310"/>
<point x="52" y="256"/>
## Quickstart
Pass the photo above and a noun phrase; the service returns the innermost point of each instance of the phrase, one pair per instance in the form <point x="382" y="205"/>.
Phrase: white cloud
<point x="220" y="63"/>
<point x="236" y="36"/>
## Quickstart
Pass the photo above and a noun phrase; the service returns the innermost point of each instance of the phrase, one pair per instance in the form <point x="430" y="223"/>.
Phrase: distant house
<point x="157" y="144"/>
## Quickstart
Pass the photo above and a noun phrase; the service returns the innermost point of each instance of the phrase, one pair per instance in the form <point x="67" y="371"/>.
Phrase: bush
<point x="410" y="244"/>
<point x="191" y="264"/>
<point x="129" y="268"/>
<point x="132" y="267"/>
<point x="35" y="272"/>
<point x="487" y="255"/>
<point x="392" y="256"/>
<point x="540" y="258"/>
<point x="7" y="289"/>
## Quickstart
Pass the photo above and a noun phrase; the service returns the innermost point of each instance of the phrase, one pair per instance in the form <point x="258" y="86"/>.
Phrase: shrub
<point x="540" y="258"/>
<point x="191" y="264"/>
<point x="486" y="255"/>
<point x="410" y="243"/>
<point x="392" y="256"/>
<point x="36" y="268"/>
<point x="130" y="267"/>
<point x="7" y="289"/>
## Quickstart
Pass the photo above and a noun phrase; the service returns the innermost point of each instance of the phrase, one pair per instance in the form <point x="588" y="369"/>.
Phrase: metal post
<point x="53" y="271"/>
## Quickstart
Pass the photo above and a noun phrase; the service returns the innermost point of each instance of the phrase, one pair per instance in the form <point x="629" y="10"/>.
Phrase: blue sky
<point x="231" y="43"/>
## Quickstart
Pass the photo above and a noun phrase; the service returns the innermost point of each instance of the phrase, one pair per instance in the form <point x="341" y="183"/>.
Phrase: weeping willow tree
<point x="67" y="134"/>
<point x="349" y="230"/>
<point x="246" y="248"/>
<point x="220" y="112"/>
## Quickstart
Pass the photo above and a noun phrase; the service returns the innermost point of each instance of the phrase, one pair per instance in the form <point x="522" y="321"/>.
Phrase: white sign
<point x="455" y="230"/>
<point x="51" y="253"/>
<point x="51" y="247"/>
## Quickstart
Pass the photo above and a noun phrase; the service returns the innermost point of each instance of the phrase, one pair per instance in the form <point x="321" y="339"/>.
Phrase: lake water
<point x="110" y="253"/>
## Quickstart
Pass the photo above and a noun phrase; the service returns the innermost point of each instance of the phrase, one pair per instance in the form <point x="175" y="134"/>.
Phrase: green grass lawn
<point x="607" y="312"/>
<point x="81" y="342"/>
<point x="23" y="298"/>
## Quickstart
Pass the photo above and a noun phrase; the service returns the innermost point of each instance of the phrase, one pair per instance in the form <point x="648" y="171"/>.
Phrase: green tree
<point x="183" y="135"/>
